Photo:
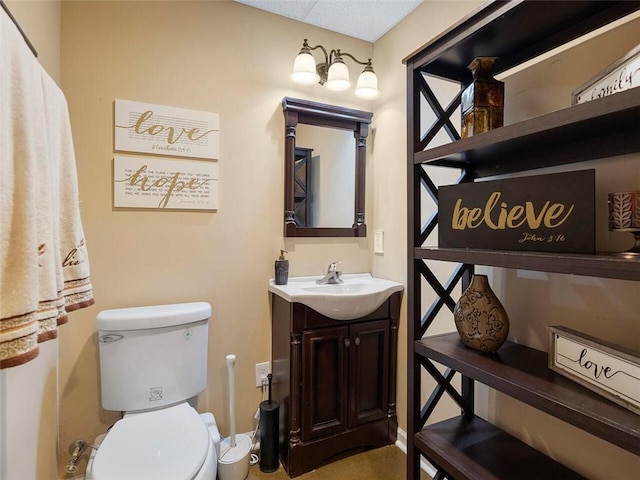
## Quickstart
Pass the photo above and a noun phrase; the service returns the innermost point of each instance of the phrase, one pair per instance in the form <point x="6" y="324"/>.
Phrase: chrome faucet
<point x="332" y="276"/>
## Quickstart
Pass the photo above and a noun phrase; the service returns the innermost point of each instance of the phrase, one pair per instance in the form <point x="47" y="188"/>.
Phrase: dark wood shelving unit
<point x="604" y="265"/>
<point x="522" y="373"/>
<point x="468" y="447"/>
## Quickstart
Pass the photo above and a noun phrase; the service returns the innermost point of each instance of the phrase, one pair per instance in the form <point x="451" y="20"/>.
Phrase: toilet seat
<point x="166" y="444"/>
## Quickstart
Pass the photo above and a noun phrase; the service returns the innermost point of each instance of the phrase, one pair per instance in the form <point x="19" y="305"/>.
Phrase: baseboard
<point x="401" y="443"/>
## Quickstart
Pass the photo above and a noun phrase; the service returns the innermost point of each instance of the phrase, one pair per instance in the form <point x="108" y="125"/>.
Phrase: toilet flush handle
<point x="110" y="338"/>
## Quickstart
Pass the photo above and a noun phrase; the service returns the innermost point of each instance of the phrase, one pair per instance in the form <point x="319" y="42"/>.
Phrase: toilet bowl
<point x="174" y="443"/>
<point x="152" y="361"/>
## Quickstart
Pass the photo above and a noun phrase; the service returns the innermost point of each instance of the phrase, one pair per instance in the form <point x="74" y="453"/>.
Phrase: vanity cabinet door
<point x="368" y="372"/>
<point x="324" y="382"/>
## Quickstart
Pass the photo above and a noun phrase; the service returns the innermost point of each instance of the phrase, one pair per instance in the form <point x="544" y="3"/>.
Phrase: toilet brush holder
<point x="269" y="424"/>
<point x="233" y="463"/>
<point x="269" y="413"/>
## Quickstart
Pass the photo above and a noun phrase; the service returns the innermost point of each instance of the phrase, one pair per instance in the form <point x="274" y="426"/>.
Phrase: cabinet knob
<point x="357" y="341"/>
<point x="347" y="342"/>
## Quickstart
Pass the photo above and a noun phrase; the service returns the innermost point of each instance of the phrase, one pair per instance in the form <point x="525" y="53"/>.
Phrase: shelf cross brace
<point x="445" y="384"/>
<point x="435" y="397"/>
<point x="443" y="292"/>
<point x="443" y="115"/>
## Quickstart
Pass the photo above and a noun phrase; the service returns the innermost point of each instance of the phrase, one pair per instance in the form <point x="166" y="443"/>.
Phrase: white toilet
<point x="152" y="360"/>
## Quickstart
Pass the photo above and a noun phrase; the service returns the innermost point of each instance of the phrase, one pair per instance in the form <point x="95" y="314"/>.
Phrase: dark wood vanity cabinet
<point x="345" y="377"/>
<point x="335" y="381"/>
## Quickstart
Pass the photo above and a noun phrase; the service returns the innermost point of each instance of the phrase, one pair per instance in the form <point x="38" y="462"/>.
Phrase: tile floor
<point x="386" y="463"/>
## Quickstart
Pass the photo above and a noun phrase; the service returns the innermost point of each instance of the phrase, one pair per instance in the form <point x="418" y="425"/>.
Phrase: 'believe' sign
<point x="551" y="213"/>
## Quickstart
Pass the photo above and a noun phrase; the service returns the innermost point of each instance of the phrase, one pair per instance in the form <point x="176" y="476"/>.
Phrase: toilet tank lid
<point x="156" y="316"/>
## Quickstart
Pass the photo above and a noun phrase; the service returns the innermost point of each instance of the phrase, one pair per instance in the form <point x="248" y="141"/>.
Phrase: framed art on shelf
<point x="618" y="77"/>
<point x="609" y="370"/>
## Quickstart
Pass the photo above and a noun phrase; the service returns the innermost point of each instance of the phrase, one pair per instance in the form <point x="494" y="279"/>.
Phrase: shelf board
<point x="473" y="449"/>
<point x="522" y="373"/>
<point x="601" y="128"/>
<point x="514" y="31"/>
<point x="604" y="265"/>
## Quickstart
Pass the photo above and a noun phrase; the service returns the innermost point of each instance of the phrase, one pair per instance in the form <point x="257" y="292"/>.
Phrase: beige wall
<point x="40" y="20"/>
<point x="220" y="57"/>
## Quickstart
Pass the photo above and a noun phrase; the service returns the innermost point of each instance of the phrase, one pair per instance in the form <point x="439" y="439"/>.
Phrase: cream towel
<point x="73" y="276"/>
<point x="44" y="270"/>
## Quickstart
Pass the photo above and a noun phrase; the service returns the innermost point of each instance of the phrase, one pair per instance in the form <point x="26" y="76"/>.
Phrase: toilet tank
<point x="152" y="356"/>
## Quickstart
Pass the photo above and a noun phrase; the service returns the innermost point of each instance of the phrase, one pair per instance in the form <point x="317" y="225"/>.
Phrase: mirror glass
<point x="325" y="170"/>
<point x="325" y="158"/>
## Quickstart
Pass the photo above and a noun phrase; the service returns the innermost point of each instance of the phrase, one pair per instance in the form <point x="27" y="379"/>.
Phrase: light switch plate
<point x="378" y="242"/>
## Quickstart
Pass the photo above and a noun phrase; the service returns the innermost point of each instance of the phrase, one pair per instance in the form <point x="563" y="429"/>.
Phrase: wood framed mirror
<point x="325" y="161"/>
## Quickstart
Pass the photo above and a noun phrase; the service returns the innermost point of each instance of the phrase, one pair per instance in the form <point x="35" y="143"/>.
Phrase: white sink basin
<point x="358" y="296"/>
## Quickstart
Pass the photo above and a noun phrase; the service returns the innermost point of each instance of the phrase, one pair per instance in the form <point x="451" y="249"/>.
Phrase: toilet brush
<point x="233" y="463"/>
<point x="231" y="363"/>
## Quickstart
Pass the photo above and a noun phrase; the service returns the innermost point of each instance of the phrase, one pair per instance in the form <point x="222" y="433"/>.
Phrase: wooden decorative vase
<point x="482" y="101"/>
<point x="481" y="320"/>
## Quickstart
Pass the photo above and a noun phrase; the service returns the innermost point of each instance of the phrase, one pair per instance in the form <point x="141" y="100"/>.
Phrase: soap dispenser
<point x="282" y="269"/>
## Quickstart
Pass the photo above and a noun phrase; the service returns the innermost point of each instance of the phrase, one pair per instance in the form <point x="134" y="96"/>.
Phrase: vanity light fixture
<point x="333" y="72"/>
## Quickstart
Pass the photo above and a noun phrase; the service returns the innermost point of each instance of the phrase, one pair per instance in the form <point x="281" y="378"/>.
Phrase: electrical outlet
<point x="262" y="370"/>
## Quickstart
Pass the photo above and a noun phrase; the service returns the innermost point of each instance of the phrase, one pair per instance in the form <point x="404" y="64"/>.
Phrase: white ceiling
<point x="364" y="19"/>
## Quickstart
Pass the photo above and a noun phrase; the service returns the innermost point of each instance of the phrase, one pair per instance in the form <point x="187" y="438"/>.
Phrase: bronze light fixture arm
<point x="345" y="54"/>
<point x="329" y="57"/>
<point x="307" y="49"/>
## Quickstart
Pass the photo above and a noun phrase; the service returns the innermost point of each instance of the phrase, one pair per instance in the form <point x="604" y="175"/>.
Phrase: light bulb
<point x="367" y="86"/>
<point x="304" y="70"/>
<point x="338" y="78"/>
